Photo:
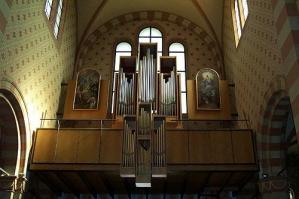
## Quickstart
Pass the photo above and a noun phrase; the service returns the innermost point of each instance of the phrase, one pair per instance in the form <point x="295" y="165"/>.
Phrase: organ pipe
<point x="168" y="94"/>
<point x="147" y="78"/>
<point x="126" y="93"/>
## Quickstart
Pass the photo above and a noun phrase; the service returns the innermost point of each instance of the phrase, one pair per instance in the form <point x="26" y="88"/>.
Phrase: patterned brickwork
<point x="255" y="67"/>
<point x="286" y="18"/>
<point x="32" y="66"/>
<point x="254" y="64"/>
<point x="201" y="49"/>
<point x="30" y="57"/>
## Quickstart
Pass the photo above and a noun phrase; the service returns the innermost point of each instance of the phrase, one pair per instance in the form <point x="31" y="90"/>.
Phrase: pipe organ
<point x="143" y="147"/>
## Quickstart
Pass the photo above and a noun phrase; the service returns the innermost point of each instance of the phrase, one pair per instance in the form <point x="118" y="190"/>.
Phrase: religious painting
<point x="207" y="90"/>
<point x="87" y="90"/>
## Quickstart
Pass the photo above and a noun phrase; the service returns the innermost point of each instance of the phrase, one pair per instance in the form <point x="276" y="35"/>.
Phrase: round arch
<point x="12" y="96"/>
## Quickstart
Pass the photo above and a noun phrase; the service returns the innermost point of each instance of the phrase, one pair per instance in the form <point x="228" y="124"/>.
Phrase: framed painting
<point x="87" y="90"/>
<point x="207" y="90"/>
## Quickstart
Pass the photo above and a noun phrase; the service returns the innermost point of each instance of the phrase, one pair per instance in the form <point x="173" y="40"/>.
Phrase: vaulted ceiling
<point x="207" y="14"/>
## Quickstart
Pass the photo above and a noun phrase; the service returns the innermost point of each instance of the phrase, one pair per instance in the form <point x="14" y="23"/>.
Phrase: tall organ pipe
<point x="146" y="78"/>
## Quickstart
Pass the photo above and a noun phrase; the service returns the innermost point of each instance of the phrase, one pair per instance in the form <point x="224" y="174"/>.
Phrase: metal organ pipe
<point x="147" y="78"/>
<point x="126" y="93"/>
<point x="168" y="94"/>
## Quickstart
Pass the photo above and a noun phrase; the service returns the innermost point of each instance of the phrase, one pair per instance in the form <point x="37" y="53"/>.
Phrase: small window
<point x="240" y="14"/>
<point x="178" y="50"/>
<point x="152" y="35"/>
<point x="48" y="8"/>
<point x="53" y="12"/>
<point x="122" y="49"/>
<point x="58" y="18"/>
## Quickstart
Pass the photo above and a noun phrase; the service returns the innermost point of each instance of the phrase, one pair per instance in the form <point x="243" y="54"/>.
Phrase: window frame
<point x="48" y="9"/>
<point x="239" y="18"/>
<point x="150" y="37"/>
<point x="114" y="71"/>
<point x="181" y="71"/>
<point x="51" y="20"/>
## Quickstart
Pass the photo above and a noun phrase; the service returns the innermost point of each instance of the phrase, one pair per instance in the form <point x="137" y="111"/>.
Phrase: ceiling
<point x="207" y="14"/>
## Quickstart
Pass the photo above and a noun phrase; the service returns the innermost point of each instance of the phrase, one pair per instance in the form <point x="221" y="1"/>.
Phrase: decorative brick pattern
<point x="261" y="85"/>
<point x="32" y="65"/>
<point x="286" y="19"/>
<point x="3" y="22"/>
<point x="255" y="63"/>
<point x="98" y="50"/>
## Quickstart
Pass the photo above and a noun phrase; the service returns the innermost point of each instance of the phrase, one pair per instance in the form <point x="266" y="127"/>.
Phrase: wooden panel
<point x="101" y="113"/>
<point x="222" y="147"/>
<point x="243" y="147"/>
<point x="201" y="150"/>
<point x="210" y="147"/>
<point x="45" y="143"/>
<point x="177" y="147"/>
<point x="67" y="146"/>
<point x="111" y="147"/>
<point x="89" y="147"/>
<point x="223" y="114"/>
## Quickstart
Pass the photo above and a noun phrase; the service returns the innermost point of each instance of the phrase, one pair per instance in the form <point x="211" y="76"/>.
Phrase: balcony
<point x="200" y="156"/>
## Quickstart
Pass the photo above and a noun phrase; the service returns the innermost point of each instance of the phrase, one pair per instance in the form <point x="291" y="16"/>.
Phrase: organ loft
<point x="146" y="144"/>
<point x="136" y="99"/>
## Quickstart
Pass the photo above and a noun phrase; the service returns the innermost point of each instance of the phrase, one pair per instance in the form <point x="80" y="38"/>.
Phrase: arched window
<point x="178" y="50"/>
<point x="152" y="35"/>
<point x="122" y="49"/>
<point x="240" y="14"/>
<point x="53" y="11"/>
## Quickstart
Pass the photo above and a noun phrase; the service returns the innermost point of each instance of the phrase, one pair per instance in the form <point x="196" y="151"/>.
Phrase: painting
<point x="207" y="90"/>
<point x="87" y="90"/>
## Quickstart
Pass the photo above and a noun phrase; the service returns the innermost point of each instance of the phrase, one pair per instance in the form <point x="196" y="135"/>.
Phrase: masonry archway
<point x="14" y="142"/>
<point x="275" y="134"/>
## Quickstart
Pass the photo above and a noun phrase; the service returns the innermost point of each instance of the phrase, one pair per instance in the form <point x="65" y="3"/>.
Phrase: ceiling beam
<point x="87" y="184"/>
<point x="206" y="181"/>
<point x="108" y="186"/>
<point x="227" y="180"/>
<point x="63" y="179"/>
<point x="48" y="182"/>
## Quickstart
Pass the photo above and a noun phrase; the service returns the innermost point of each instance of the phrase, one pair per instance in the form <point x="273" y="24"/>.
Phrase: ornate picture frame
<point x="87" y="90"/>
<point x="207" y="90"/>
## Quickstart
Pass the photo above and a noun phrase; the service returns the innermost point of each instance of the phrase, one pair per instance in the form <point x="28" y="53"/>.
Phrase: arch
<point x="271" y="138"/>
<point x="271" y="145"/>
<point x="10" y="149"/>
<point x="14" y="97"/>
<point x="275" y="95"/>
<point x="150" y="16"/>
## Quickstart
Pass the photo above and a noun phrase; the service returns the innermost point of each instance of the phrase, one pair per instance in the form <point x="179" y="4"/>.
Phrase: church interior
<point x="137" y="99"/>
